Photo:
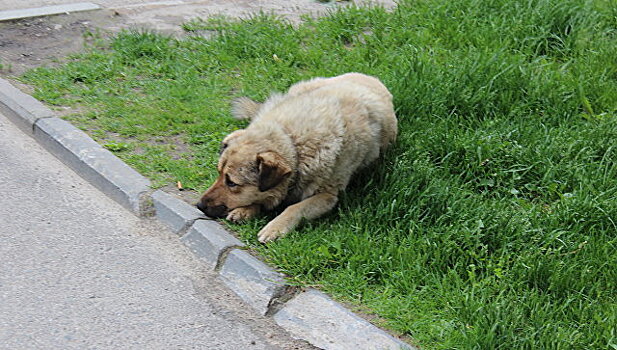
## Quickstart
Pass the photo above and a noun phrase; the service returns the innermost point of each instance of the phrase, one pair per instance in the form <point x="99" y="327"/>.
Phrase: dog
<point x="300" y="148"/>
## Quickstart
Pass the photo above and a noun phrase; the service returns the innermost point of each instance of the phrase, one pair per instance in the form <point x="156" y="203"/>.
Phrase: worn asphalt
<point x="79" y="271"/>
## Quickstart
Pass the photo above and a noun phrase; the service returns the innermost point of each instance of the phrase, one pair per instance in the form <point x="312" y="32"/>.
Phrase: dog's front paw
<point x="242" y="214"/>
<point x="273" y="230"/>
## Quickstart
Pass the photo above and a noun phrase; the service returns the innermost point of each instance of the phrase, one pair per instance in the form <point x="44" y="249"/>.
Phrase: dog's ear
<point x="272" y="170"/>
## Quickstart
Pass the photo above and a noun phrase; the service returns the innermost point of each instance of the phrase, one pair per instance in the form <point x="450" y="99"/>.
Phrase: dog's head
<point x="247" y="176"/>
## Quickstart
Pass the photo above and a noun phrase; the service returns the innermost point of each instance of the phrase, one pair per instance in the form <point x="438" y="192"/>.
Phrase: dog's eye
<point x="230" y="183"/>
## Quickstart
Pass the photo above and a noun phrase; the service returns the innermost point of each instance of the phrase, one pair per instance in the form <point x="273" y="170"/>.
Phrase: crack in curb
<point x="36" y="121"/>
<point x="277" y="302"/>
<point x="185" y="229"/>
<point x="220" y="261"/>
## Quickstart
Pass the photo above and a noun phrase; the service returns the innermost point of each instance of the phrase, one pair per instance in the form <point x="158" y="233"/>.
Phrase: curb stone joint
<point x="309" y="315"/>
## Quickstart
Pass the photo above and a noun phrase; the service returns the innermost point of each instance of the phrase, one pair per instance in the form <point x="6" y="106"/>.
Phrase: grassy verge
<point x="492" y="222"/>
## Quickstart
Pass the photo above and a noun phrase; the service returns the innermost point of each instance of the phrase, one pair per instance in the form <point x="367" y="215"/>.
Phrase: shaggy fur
<point x="301" y="147"/>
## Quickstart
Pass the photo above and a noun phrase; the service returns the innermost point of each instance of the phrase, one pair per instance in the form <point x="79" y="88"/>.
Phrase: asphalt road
<point x="78" y="271"/>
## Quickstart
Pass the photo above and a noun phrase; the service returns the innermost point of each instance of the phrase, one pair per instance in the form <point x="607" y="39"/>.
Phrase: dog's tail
<point x="244" y="108"/>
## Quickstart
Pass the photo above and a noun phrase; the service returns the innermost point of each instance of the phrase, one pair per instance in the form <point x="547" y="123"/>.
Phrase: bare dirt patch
<point x="33" y="42"/>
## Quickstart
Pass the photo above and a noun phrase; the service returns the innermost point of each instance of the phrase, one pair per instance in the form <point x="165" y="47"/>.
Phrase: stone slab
<point x="208" y="240"/>
<point x="22" y="109"/>
<point x="92" y="162"/>
<point x="252" y="280"/>
<point x="174" y="212"/>
<point x="9" y="15"/>
<point x="314" y="317"/>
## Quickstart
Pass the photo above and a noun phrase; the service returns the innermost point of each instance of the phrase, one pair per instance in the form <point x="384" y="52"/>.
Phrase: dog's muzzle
<point x="217" y="211"/>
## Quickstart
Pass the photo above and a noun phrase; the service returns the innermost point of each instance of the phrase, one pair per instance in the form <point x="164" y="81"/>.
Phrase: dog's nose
<point x="201" y="206"/>
<point x="217" y="211"/>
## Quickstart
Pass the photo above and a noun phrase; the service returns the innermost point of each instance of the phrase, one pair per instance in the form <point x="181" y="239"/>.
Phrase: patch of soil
<point x="33" y="42"/>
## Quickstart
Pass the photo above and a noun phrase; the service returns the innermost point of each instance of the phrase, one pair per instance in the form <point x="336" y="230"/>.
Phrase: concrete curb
<point x="310" y="315"/>
<point x="210" y="242"/>
<point x="76" y="149"/>
<point x="325" y="323"/>
<point x="10" y="15"/>
<point x="173" y="211"/>
<point x="255" y="282"/>
<point x="22" y="109"/>
<point x="94" y="163"/>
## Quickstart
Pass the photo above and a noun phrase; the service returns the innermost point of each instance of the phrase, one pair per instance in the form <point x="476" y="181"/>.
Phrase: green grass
<point x="491" y="224"/>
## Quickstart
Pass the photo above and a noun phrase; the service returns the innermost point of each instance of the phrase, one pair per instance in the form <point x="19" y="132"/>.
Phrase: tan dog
<point x="302" y="148"/>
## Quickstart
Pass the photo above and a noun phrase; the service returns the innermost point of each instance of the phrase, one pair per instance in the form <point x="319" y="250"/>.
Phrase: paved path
<point x="78" y="271"/>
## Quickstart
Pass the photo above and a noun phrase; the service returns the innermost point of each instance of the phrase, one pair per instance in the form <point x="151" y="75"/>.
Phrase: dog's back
<point x="370" y="90"/>
<point x="337" y="125"/>
<point x="356" y="86"/>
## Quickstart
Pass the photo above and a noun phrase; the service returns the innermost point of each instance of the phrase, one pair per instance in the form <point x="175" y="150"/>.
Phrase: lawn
<point x="491" y="224"/>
